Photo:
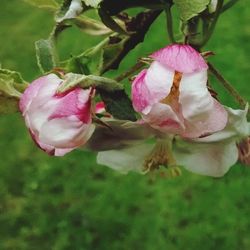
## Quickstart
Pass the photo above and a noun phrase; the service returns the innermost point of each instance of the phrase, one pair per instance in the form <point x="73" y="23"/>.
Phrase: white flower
<point x="211" y="155"/>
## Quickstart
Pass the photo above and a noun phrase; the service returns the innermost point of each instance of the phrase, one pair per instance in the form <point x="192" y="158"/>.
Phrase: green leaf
<point x="70" y="9"/>
<point x="112" y="51"/>
<point x="110" y="22"/>
<point x="89" y="62"/>
<point x="85" y="81"/>
<point x="92" y="3"/>
<point x="47" y="4"/>
<point x="11" y="87"/>
<point x="118" y="104"/>
<point x="45" y="55"/>
<point x="190" y="8"/>
<point x="91" y="26"/>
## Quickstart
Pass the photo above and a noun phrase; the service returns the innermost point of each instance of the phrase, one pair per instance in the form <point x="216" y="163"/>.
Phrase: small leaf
<point x="118" y="104"/>
<point x="85" y="81"/>
<point x="112" y="51"/>
<point x="69" y="10"/>
<point x="11" y="87"/>
<point x="110" y="22"/>
<point x="189" y="9"/>
<point x="91" y="26"/>
<point x="92" y="3"/>
<point x="45" y="55"/>
<point x="47" y="4"/>
<point x="89" y="62"/>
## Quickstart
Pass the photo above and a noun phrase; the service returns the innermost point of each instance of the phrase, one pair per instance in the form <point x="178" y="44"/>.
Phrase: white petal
<point x="202" y="113"/>
<point x="127" y="159"/>
<point x="211" y="159"/>
<point x="159" y="80"/>
<point x="194" y="95"/>
<point x="163" y="118"/>
<point x="66" y="132"/>
<point x="237" y="127"/>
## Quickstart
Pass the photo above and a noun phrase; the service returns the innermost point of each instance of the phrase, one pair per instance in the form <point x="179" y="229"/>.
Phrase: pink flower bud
<point x="172" y="95"/>
<point x="58" y="123"/>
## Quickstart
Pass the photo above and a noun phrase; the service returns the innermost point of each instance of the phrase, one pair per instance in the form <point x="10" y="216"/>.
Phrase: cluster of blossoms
<point x="181" y="123"/>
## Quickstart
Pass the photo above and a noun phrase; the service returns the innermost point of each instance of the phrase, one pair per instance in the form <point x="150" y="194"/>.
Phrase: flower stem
<point x="210" y="30"/>
<point x="130" y="72"/>
<point x="228" y="86"/>
<point x="170" y="24"/>
<point x="228" y="5"/>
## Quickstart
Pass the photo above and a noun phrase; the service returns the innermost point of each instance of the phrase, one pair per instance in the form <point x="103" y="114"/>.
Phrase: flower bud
<point x="172" y="95"/>
<point x="58" y="123"/>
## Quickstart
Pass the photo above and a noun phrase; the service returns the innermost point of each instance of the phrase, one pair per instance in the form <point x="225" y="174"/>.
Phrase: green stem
<point x="228" y="5"/>
<point x="130" y="72"/>
<point x="214" y="22"/>
<point x="170" y="24"/>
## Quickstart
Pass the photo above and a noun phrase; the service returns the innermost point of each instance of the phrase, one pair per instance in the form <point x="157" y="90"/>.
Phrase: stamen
<point x="161" y="155"/>
<point x="173" y="96"/>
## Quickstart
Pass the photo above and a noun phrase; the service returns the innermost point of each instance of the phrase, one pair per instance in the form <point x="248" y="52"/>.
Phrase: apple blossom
<point x="172" y="95"/>
<point x="212" y="155"/>
<point x="58" y="123"/>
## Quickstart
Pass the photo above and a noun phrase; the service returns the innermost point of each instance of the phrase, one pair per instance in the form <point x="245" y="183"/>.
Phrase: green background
<point x="72" y="203"/>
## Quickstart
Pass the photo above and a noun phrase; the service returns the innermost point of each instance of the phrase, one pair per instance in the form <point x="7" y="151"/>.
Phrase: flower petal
<point x="140" y="92"/>
<point x="32" y="90"/>
<point x="163" y="118"/>
<point x="76" y="102"/>
<point x="203" y="114"/>
<point x="68" y="132"/>
<point x="237" y="127"/>
<point x="159" y="80"/>
<point x="181" y="58"/>
<point x="211" y="159"/>
<point x="127" y="159"/>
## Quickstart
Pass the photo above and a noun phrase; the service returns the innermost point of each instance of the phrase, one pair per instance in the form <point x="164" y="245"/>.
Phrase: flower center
<point x="173" y="97"/>
<point x="161" y="155"/>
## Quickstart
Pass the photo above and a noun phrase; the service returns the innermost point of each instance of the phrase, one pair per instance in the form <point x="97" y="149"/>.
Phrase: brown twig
<point x="228" y="86"/>
<point x="138" y="27"/>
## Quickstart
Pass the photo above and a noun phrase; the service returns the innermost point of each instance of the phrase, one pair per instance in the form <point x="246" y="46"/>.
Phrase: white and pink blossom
<point x="58" y="123"/>
<point x="172" y="95"/>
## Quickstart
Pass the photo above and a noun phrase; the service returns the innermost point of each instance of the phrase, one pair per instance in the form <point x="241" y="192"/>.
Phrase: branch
<point x="228" y="86"/>
<point x="140" y="26"/>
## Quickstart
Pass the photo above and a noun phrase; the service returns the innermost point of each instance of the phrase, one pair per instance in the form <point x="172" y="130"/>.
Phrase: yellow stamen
<point x="173" y="97"/>
<point x="161" y="155"/>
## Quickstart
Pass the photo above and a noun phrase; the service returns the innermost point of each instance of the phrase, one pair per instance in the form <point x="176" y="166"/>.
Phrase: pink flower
<point x="172" y="95"/>
<point x="58" y="123"/>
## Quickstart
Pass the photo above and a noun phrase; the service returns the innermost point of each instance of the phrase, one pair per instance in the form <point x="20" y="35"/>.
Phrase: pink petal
<point x="151" y="86"/>
<point x="100" y="108"/>
<point x="140" y="92"/>
<point x="163" y="118"/>
<point x="181" y="58"/>
<point x="75" y="102"/>
<point x="31" y="92"/>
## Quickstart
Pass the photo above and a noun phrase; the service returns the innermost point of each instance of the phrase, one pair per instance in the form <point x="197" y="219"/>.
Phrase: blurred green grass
<point x="71" y="203"/>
